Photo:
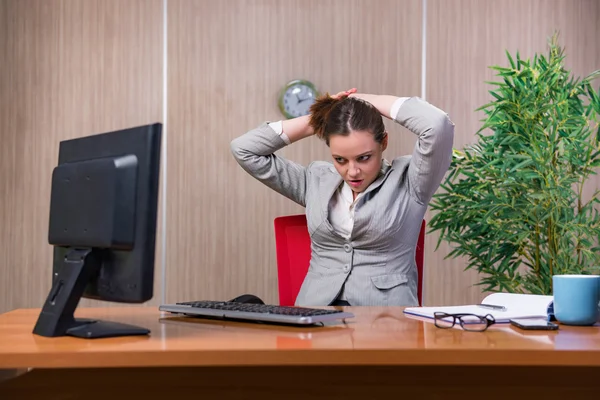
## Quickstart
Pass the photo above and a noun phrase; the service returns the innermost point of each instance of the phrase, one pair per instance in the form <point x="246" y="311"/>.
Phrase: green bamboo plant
<point x="513" y="203"/>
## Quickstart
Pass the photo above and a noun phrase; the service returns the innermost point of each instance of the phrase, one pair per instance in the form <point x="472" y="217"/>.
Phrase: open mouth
<point x="355" y="182"/>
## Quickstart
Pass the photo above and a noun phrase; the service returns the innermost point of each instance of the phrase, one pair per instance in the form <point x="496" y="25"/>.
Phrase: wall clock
<point x="296" y="97"/>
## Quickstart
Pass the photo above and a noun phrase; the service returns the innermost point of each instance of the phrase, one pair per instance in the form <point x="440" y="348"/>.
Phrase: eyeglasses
<point x="469" y="322"/>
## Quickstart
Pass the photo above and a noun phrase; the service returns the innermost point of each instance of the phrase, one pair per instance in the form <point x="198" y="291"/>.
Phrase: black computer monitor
<point x="103" y="211"/>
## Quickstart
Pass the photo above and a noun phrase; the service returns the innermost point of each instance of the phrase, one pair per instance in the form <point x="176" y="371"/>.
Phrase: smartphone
<point x="538" y="324"/>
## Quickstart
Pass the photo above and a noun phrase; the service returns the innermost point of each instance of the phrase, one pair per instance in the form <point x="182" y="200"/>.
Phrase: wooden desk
<point x="381" y="352"/>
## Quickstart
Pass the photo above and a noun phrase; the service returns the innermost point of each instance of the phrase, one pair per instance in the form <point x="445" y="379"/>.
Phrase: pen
<point x="492" y="306"/>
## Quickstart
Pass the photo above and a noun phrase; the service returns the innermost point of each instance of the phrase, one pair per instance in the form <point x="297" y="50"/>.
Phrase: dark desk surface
<point x="377" y="336"/>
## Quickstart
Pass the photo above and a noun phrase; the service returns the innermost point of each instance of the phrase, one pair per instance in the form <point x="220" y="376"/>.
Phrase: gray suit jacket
<point x="376" y="266"/>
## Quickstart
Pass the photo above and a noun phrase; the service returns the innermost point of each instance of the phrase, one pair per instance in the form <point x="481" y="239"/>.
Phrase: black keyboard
<point x="255" y="312"/>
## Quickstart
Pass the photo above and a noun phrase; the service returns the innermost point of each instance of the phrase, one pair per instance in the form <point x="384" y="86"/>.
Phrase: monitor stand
<point x="57" y="316"/>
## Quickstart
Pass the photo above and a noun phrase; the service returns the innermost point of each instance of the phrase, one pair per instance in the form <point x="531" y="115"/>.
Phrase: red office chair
<point x="292" y="244"/>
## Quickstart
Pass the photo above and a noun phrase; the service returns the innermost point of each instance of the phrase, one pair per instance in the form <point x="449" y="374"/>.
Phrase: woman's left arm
<point x="383" y="103"/>
<point x="432" y="154"/>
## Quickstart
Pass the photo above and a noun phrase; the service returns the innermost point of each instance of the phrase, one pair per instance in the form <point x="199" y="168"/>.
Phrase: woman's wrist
<point x="297" y="128"/>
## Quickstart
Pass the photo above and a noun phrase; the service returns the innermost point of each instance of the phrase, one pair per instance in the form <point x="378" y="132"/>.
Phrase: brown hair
<point x="339" y="116"/>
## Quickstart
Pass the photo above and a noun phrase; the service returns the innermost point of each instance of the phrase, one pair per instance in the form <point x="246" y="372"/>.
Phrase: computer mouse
<point x="248" y="299"/>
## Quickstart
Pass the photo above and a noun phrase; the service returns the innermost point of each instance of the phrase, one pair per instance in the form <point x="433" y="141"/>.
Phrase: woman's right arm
<point x="255" y="153"/>
<point x="297" y="128"/>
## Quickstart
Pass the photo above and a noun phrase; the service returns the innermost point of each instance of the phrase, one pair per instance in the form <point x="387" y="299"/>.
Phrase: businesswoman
<point x="364" y="213"/>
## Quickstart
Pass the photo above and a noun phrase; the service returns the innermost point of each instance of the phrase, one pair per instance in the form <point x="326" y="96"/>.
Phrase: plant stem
<point x="579" y="206"/>
<point x="537" y="247"/>
<point x="550" y="246"/>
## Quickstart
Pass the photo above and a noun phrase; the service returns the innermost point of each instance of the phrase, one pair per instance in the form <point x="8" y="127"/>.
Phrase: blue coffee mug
<point x="576" y="299"/>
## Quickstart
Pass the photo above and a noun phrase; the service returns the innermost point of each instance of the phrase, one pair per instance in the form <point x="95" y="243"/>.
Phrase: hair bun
<point x="320" y="111"/>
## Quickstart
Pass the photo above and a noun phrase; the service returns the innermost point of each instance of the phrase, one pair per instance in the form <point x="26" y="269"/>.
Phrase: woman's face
<point x="357" y="158"/>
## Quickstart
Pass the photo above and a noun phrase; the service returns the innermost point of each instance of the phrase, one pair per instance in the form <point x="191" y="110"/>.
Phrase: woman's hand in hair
<point x="300" y="128"/>
<point x="345" y="93"/>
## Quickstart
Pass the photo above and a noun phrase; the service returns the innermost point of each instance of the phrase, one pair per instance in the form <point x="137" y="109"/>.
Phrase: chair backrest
<point x="292" y="243"/>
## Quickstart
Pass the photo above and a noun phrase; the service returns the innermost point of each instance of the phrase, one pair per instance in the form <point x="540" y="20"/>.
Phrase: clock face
<point x="296" y="98"/>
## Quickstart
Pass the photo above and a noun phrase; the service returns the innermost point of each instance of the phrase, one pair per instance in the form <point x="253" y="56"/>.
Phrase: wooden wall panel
<point x="69" y="69"/>
<point x="72" y="68"/>
<point x="464" y="38"/>
<point x="227" y="62"/>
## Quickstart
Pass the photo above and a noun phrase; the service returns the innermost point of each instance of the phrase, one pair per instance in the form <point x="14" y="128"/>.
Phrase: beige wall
<point x="68" y="69"/>
<point x="73" y="68"/>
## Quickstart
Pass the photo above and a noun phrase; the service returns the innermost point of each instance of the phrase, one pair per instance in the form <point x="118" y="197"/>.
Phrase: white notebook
<point x="515" y="305"/>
